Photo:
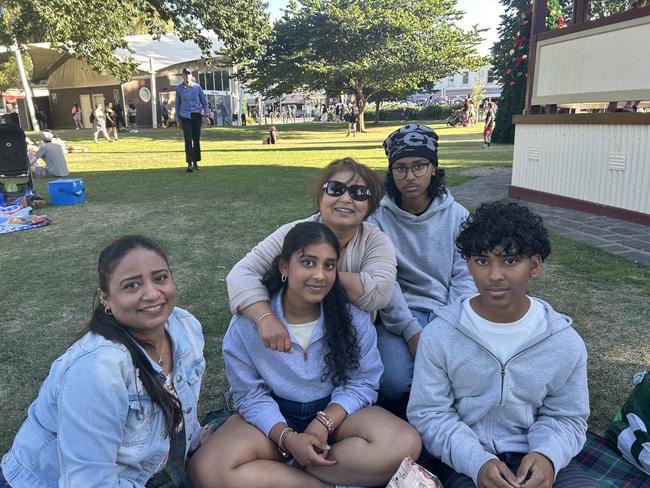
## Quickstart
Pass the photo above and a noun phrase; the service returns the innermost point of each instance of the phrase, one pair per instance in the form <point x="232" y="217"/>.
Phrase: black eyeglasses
<point x="359" y="193"/>
<point x="418" y="169"/>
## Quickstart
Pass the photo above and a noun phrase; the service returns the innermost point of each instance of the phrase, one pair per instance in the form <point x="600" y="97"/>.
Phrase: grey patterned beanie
<point x="412" y="140"/>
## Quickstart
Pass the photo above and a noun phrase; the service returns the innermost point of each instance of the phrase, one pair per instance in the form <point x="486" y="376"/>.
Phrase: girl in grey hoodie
<point x="422" y="219"/>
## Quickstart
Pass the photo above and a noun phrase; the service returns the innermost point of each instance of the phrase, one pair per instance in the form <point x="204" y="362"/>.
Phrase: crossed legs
<point x="368" y="447"/>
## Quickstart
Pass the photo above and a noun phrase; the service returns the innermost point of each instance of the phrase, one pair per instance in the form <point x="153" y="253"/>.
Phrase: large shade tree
<point x="92" y="30"/>
<point x="364" y="47"/>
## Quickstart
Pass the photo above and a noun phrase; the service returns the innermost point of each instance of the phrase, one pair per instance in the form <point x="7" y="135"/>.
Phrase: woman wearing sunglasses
<point x="346" y="193"/>
<point x="422" y="219"/>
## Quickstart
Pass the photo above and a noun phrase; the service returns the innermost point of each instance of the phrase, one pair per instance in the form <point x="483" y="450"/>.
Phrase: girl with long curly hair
<point x="313" y="406"/>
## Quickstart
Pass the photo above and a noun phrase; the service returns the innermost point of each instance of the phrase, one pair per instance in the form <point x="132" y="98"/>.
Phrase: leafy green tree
<point x="9" y="76"/>
<point x="364" y="47"/>
<point x="92" y="30"/>
<point x="478" y="93"/>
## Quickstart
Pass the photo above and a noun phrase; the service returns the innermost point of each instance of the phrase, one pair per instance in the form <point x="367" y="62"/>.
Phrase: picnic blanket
<point x="13" y="219"/>
<point x="607" y="467"/>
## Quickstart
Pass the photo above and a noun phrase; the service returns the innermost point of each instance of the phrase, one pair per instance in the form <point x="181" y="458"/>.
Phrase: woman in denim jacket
<point x="120" y="404"/>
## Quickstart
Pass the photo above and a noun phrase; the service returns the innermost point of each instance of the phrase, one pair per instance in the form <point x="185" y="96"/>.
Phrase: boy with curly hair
<point x="499" y="391"/>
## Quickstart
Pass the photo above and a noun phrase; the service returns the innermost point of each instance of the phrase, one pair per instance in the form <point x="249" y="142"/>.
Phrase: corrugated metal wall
<point x="603" y="164"/>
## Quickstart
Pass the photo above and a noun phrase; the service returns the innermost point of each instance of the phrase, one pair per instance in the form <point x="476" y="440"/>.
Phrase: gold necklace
<point x="160" y="359"/>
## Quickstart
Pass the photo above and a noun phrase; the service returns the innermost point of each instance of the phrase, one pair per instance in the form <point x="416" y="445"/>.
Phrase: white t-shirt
<point x="303" y="332"/>
<point x="504" y="339"/>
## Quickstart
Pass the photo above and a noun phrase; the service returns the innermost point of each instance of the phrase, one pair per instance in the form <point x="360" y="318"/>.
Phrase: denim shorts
<point x="3" y="482"/>
<point x="298" y="414"/>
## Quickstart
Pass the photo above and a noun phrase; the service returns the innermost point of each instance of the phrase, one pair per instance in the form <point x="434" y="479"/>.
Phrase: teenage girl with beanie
<point x="313" y="406"/>
<point x="121" y="403"/>
<point x="422" y="219"/>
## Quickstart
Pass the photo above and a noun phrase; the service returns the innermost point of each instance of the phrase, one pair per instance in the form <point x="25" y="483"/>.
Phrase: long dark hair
<point x="340" y="335"/>
<point x="107" y="326"/>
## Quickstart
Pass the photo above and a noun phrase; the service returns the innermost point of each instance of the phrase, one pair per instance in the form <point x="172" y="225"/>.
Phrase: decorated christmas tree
<point x="510" y="58"/>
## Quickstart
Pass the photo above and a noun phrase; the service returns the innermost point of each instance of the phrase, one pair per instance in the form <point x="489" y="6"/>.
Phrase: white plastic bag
<point x="411" y="475"/>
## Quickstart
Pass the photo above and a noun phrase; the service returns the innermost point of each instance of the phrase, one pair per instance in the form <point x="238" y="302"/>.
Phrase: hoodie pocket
<point x="515" y="418"/>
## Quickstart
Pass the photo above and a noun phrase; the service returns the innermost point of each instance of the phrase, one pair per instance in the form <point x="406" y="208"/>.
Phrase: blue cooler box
<point x="66" y="192"/>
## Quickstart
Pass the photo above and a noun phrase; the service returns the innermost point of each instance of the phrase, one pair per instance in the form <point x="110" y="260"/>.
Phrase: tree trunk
<point x="377" y="105"/>
<point x="361" y="105"/>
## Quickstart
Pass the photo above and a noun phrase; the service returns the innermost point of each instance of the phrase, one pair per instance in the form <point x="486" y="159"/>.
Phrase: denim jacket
<point x="256" y="373"/>
<point x="93" y="423"/>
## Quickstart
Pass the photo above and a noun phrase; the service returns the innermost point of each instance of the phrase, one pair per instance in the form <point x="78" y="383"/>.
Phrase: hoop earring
<point x="108" y="311"/>
<point x="283" y="279"/>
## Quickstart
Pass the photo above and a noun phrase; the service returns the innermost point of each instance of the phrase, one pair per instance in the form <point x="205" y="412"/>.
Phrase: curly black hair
<point x="341" y="336"/>
<point x="503" y="224"/>
<point x="436" y="186"/>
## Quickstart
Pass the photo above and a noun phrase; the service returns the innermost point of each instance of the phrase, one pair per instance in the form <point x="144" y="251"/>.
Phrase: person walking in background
<point x="190" y="105"/>
<point x="111" y="120"/>
<point x="489" y="126"/>
<point x="98" y="119"/>
<point x="164" y="113"/>
<point x="471" y="114"/>
<point x="210" y="115"/>
<point x="76" y="116"/>
<point x="132" y="113"/>
<point x="41" y="118"/>
<point x="119" y="114"/>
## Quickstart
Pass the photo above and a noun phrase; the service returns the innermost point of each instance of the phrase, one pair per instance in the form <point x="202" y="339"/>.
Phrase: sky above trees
<point x="485" y="13"/>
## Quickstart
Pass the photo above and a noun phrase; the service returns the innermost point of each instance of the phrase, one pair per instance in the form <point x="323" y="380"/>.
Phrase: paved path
<point x="619" y="237"/>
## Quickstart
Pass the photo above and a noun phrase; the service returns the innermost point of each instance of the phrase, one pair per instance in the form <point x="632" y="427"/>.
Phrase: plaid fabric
<point x="607" y="467"/>
<point x="218" y="417"/>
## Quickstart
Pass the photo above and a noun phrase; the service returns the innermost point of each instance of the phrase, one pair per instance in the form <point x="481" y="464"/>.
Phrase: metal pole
<point x="26" y="88"/>
<point x="154" y="96"/>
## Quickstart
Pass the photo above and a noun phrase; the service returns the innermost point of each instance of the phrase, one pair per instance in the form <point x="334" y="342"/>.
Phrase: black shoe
<point x="189" y="168"/>
<point x="196" y="167"/>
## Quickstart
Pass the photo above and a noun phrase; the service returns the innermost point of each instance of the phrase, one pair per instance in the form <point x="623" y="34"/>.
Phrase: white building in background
<point x="460" y="85"/>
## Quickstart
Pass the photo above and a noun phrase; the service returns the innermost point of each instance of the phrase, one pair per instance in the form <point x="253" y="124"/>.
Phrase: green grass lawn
<point x="209" y="220"/>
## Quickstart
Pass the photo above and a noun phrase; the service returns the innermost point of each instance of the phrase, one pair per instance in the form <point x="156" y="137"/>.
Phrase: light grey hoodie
<point x="430" y="271"/>
<point x="468" y="406"/>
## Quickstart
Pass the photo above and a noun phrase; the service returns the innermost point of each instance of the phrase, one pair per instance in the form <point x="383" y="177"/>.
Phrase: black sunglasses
<point x="359" y="193"/>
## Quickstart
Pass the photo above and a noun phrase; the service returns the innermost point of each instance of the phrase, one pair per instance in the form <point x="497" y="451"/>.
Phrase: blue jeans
<point x="395" y="384"/>
<point x="297" y="414"/>
<point x="3" y="481"/>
